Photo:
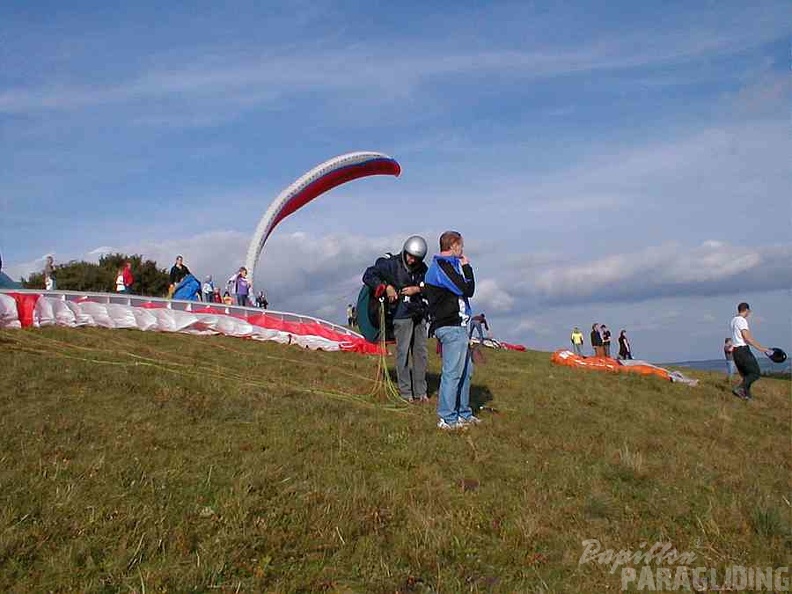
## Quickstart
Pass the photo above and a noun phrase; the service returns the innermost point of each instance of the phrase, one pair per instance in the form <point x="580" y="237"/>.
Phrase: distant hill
<point x="719" y="365"/>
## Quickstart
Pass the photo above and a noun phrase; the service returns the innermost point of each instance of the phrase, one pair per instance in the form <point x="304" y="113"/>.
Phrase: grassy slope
<point x="136" y="461"/>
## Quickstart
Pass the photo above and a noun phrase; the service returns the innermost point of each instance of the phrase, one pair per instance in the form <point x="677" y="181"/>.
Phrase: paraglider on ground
<point x="608" y="364"/>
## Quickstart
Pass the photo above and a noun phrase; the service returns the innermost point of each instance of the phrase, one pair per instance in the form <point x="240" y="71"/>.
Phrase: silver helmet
<point x="415" y="246"/>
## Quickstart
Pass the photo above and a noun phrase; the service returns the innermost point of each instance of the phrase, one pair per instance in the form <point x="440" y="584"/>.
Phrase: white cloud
<point x="491" y="296"/>
<point x="671" y="269"/>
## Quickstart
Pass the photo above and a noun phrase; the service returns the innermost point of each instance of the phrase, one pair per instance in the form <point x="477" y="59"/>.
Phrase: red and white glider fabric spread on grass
<point x="24" y="309"/>
<point x="570" y="359"/>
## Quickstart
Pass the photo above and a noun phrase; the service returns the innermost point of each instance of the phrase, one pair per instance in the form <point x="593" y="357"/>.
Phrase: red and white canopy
<point x="22" y="309"/>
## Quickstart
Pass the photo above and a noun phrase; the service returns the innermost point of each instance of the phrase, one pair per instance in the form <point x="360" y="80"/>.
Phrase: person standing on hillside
<point x="744" y="359"/>
<point x="349" y="315"/>
<point x="577" y="341"/>
<point x="177" y="272"/>
<point x="400" y="278"/>
<point x="728" y="353"/>
<point x="606" y="340"/>
<point x="625" y="350"/>
<point x="478" y="324"/>
<point x="124" y="278"/>
<point x="449" y="286"/>
<point x="596" y="341"/>
<point x="49" y="275"/>
<point x="208" y="289"/>
<point x="242" y="287"/>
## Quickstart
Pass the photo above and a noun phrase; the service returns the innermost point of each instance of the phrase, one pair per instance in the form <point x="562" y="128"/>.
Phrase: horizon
<point x="615" y="164"/>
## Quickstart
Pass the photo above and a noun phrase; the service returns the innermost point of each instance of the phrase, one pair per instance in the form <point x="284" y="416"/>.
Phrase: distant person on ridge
<point x="124" y="279"/>
<point x="596" y="341"/>
<point x="476" y="324"/>
<point x="744" y="359"/>
<point x="577" y="341"/>
<point x="242" y="287"/>
<point x="728" y="352"/>
<point x="49" y="275"/>
<point x="625" y="351"/>
<point x="261" y="300"/>
<point x="606" y="340"/>
<point x="400" y="278"/>
<point x="177" y="272"/>
<point x="349" y="315"/>
<point x="208" y="289"/>
<point x="449" y="286"/>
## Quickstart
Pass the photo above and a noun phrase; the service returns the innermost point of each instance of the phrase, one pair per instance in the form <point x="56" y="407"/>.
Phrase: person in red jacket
<point x="124" y="279"/>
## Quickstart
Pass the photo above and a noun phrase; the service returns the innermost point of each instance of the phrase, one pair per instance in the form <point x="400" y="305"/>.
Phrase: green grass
<point x="133" y="461"/>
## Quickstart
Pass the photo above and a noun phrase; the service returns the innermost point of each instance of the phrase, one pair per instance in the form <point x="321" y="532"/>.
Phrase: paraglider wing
<point x="187" y="289"/>
<point x="316" y="182"/>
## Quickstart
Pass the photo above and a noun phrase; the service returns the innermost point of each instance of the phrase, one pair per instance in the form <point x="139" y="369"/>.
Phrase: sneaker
<point x="441" y="424"/>
<point x="471" y="421"/>
<point x="740" y="393"/>
<point x="422" y="399"/>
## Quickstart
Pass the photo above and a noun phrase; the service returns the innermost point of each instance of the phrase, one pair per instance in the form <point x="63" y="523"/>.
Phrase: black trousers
<point x="748" y="367"/>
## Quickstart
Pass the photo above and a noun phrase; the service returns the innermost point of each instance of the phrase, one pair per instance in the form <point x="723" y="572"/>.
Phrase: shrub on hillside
<point x="101" y="277"/>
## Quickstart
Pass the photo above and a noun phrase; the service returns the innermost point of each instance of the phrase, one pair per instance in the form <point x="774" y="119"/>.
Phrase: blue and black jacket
<point x="449" y="286"/>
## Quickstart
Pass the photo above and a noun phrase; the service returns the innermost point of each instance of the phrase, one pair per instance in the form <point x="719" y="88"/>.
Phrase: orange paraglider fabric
<point x="570" y="359"/>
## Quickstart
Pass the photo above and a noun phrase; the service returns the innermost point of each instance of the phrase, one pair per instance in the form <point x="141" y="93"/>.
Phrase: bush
<point x="88" y="276"/>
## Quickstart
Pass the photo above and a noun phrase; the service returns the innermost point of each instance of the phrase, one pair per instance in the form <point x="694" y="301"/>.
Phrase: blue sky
<point x="626" y="164"/>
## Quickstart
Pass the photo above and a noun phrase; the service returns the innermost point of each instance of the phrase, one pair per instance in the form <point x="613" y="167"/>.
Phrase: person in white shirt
<point x="742" y="341"/>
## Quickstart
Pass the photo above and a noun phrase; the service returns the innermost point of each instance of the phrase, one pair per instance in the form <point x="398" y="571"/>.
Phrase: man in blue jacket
<point x="400" y="279"/>
<point x="449" y="286"/>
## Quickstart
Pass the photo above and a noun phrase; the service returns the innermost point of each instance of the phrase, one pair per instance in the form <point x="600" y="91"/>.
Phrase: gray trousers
<point x="411" y="337"/>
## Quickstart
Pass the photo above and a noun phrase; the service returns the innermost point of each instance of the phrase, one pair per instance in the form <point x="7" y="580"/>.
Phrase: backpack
<point x="368" y="316"/>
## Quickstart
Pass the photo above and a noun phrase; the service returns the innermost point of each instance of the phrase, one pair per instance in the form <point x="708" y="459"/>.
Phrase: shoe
<point x="471" y="421"/>
<point x="740" y="393"/>
<point x="422" y="399"/>
<point x="441" y="424"/>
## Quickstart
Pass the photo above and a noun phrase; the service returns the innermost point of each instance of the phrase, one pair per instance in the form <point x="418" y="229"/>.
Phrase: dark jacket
<point x="449" y="285"/>
<point x="391" y="270"/>
<point x="624" y="348"/>
<point x="177" y="274"/>
<point x="596" y="338"/>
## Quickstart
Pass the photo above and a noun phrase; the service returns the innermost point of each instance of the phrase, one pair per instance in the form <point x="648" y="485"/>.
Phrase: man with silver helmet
<point x="400" y="279"/>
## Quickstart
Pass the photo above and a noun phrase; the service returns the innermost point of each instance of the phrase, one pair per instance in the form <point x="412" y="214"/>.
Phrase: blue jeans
<point x="477" y="327"/>
<point x="242" y="300"/>
<point x="454" y="398"/>
<point x="577" y="348"/>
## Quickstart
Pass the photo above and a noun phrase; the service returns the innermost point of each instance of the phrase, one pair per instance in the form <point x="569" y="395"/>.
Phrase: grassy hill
<point x="154" y="462"/>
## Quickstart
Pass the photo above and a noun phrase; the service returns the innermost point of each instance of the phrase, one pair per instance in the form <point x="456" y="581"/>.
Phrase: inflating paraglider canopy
<point x="316" y="182"/>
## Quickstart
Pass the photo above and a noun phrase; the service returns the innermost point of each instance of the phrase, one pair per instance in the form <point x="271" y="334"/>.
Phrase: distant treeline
<point x="92" y="277"/>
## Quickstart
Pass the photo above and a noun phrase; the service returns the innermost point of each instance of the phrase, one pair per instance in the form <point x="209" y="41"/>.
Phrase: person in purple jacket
<point x="242" y="287"/>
